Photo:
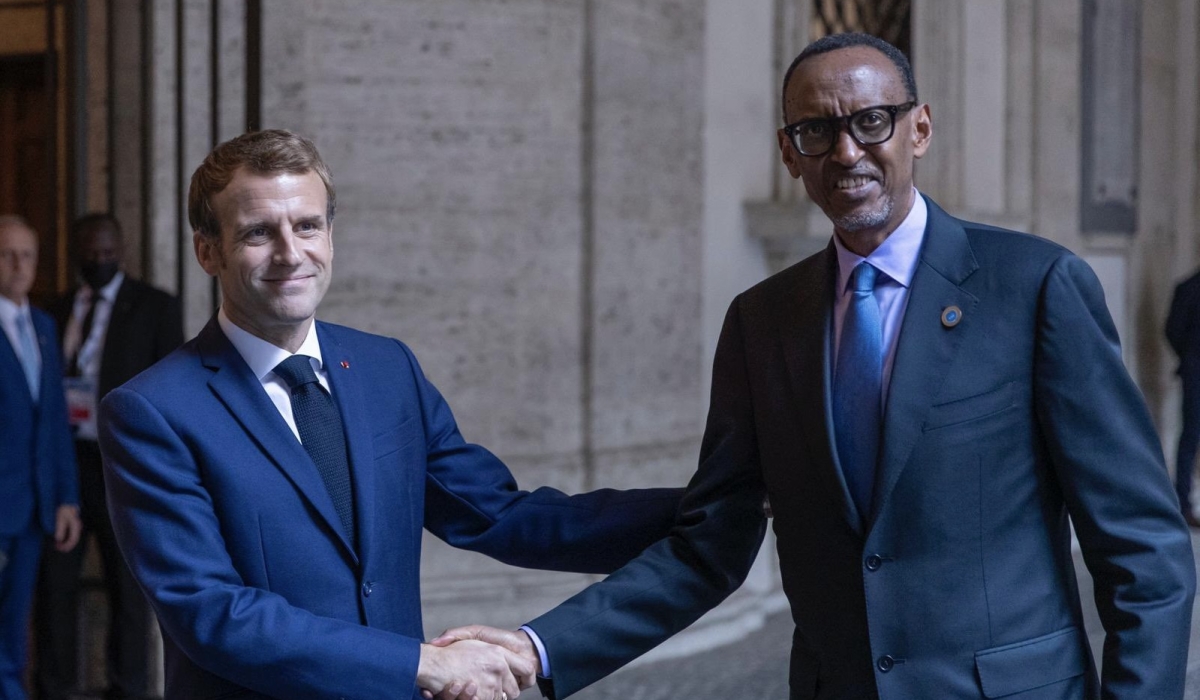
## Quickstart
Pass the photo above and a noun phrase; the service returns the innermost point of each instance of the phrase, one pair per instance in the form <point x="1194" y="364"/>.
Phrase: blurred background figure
<point x="37" y="471"/>
<point x="1183" y="333"/>
<point x="114" y="326"/>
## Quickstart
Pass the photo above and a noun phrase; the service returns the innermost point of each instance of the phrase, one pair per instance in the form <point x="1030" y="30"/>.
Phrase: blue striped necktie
<point x="30" y="359"/>
<point x="858" y="389"/>
<point x="320" y="428"/>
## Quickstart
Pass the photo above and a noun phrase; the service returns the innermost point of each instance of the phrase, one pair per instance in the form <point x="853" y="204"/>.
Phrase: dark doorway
<point x="26" y="168"/>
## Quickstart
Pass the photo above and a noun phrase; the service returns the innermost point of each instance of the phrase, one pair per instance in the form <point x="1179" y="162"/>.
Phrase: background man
<point x="37" y="464"/>
<point x="925" y="402"/>
<point x="114" y="327"/>
<point x="1183" y="333"/>
<point x="268" y="482"/>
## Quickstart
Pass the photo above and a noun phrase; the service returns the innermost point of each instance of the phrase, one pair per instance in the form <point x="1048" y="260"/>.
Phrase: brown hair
<point x="267" y="152"/>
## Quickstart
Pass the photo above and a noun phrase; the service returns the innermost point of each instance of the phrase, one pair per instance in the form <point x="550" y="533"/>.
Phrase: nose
<point x="287" y="252"/>
<point x="846" y="150"/>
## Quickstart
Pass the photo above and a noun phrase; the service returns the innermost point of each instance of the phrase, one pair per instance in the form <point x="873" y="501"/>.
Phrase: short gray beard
<point x="853" y="223"/>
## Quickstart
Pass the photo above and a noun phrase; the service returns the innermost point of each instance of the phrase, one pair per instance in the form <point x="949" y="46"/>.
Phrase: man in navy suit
<point x="269" y="481"/>
<point x="113" y="327"/>
<point x="929" y="404"/>
<point x="37" y="460"/>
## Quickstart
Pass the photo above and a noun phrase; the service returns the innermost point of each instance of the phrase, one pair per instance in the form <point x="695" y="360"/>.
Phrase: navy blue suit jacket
<point x="37" y="460"/>
<point x="228" y="527"/>
<point x="959" y="582"/>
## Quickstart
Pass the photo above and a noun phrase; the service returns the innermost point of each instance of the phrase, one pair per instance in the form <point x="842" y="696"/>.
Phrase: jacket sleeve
<point x="170" y="535"/>
<point x="707" y="556"/>
<point x="1178" y="319"/>
<point x="473" y="502"/>
<point x="1109" y="463"/>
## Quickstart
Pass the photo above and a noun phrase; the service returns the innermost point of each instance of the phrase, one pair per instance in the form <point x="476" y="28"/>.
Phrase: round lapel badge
<point x="951" y="315"/>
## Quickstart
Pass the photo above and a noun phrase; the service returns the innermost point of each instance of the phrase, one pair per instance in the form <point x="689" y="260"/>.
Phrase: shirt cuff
<point x="541" y="649"/>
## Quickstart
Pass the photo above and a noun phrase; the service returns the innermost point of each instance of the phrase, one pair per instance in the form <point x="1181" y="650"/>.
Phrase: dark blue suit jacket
<point x="959" y="583"/>
<point x="228" y="527"/>
<point x="37" y="460"/>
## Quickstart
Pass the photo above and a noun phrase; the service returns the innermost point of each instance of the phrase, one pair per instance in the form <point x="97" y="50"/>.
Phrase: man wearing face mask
<point x="113" y="327"/>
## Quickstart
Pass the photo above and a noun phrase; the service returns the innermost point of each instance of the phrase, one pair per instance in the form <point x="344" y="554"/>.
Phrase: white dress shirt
<point x="90" y="349"/>
<point x="263" y="357"/>
<point x="9" y="312"/>
<point x="897" y="259"/>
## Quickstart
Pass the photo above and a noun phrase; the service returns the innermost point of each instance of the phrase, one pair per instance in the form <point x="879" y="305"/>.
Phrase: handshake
<point x="477" y="663"/>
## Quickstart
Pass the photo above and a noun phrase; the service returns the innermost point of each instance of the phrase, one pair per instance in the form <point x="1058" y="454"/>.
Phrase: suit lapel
<point x="350" y="399"/>
<point x="242" y="393"/>
<point x="925" y="347"/>
<point x="807" y="327"/>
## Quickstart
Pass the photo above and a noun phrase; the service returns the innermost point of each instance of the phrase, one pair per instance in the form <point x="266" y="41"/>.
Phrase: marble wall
<point x="519" y="191"/>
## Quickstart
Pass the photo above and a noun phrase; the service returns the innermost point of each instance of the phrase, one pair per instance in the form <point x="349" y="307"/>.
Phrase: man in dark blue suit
<point x="1183" y="333"/>
<point x="269" y="481"/>
<point x="929" y="404"/>
<point x="37" y="458"/>
<point x="113" y="327"/>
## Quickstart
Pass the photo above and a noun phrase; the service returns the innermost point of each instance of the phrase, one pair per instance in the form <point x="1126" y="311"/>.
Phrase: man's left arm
<point x="67" y="524"/>
<point x="1108" y="459"/>
<point x="473" y="502"/>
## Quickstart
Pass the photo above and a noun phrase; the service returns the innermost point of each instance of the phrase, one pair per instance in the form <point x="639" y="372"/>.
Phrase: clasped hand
<point x="477" y="663"/>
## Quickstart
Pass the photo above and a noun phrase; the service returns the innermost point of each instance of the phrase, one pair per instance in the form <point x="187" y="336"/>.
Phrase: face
<point x="18" y="261"/>
<point x="274" y="255"/>
<point x="100" y="253"/>
<point x="866" y="191"/>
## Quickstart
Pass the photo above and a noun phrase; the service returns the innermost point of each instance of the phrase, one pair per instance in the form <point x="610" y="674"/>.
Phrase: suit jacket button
<point x="873" y="562"/>
<point x="366" y="589"/>
<point x="886" y="663"/>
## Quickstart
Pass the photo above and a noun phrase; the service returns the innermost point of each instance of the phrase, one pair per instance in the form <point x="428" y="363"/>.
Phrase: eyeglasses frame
<point x="840" y="124"/>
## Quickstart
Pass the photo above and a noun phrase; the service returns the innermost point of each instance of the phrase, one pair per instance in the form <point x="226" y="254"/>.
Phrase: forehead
<point x="842" y="81"/>
<point x="250" y="196"/>
<point x="17" y="236"/>
<point x="98" y="234"/>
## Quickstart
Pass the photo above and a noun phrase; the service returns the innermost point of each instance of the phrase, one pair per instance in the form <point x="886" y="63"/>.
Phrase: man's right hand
<point x="472" y="670"/>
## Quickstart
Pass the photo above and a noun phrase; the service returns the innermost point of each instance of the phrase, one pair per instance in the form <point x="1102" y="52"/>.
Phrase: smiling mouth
<point x="852" y="183"/>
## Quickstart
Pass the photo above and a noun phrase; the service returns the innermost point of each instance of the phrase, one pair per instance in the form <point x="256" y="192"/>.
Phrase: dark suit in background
<point x="1183" y="333"/>
<point x="143" y="326"/>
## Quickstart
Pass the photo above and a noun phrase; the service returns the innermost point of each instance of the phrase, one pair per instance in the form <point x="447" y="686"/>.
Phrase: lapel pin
<point x="345" y="365"/>
<point x="951" y="315"/>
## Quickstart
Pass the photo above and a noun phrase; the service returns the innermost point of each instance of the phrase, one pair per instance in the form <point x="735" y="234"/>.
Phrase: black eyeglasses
<point x="869" y="127"/>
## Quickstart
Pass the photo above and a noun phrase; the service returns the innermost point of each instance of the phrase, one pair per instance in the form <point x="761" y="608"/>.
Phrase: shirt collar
<point x="899" y="253"/>
<point x="261" y="356"/>
<point x="10" y="310"/>
<point x="109" y="291"/>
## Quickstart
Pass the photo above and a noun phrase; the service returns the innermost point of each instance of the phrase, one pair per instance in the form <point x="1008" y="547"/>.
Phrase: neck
<point x="287" y="337"/>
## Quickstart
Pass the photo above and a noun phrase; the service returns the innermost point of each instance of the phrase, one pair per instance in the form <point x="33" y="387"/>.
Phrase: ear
<point x="208" y="252"/>
<point x="788" y="154"/>
<point x="922" y="130"/>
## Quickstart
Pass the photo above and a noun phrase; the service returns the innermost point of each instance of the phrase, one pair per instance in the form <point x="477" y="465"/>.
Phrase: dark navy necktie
<point x="320" y="427"/>
<point x="857" y="388"/>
